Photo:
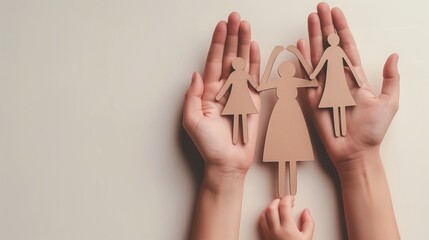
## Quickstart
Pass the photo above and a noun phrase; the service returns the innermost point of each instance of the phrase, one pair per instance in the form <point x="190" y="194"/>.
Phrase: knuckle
<point x="271" y="209"/>
<point x="283" y="205"/>
<point x="274" y="205"/>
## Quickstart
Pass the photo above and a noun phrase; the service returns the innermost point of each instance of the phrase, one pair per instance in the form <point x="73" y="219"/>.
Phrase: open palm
<point x="202" y="119"/>
<point x="367" y="121"/>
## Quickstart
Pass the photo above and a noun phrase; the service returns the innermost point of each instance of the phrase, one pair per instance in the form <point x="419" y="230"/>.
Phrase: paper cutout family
<point x="287" y="138"/>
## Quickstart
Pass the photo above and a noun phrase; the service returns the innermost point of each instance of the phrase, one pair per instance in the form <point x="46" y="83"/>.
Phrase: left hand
<point x="369" y="120"/>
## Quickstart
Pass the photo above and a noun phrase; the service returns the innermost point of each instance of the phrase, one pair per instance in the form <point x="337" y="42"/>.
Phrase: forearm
<point x="367" y="203"/>
<point x="218" y="209"/>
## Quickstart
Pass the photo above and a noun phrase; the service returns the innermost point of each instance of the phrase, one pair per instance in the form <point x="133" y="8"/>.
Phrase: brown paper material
<point x="239" y="102"/>
<point x="287" y="138"/>
<point x="336" y="93"/>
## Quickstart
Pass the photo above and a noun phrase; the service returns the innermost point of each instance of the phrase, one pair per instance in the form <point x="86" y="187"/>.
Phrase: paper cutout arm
<point x="319" y="66"/>
<point x="274" y="54"/>
<point x="252" y="83"/>
<point x="352" y="69"/>
<point x="223" y="90"/>
<point x="307" y="67"/>
<point x="305" y="83"/>
<point x="267" y="86"/>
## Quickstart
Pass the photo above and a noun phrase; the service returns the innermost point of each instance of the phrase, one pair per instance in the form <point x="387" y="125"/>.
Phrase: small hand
<point x="202" y="118"/>
<point x="277" y="222"/>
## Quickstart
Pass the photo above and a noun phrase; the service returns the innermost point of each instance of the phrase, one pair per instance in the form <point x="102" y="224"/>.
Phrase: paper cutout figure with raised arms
<point x="239" y="102"/>
<point x="336" y="93"/>
<point x="287" y="138"/>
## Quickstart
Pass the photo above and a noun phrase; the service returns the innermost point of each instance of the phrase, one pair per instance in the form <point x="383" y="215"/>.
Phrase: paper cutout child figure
<point x="336" y="93"/>
<point x="239" y="102"/>
<point x="287" y="138"/>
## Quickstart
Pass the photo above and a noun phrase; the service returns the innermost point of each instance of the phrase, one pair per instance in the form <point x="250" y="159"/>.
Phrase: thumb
<point x="390" y="88"/>
<point x="307" y="224"/>
<point x="192" y="107"/>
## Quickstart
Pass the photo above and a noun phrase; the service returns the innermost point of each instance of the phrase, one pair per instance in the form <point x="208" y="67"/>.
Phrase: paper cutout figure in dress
<point x="336" y="93"/>
<point x="239" y="102"/>
<point x="287" y="138"/>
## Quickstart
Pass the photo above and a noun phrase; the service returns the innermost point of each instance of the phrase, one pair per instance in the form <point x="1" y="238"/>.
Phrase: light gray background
<point x="91" y="145"/>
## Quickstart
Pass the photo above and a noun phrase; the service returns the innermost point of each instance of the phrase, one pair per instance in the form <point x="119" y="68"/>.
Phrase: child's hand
<point x="277" y="222"/>
<point x="368" y="121"/>
<point x="211" y="132"/>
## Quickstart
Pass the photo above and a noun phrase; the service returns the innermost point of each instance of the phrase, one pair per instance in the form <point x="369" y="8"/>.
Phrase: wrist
<point x="218" y="181"/>
<point x="366" y="198"/>
<point x="360" y="165"/>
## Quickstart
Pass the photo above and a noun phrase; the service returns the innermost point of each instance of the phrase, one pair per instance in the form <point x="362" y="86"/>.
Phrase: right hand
<point x="202" y="119"/>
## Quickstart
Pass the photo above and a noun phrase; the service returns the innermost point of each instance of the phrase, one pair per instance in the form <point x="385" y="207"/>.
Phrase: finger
<point x="231" y="44"/>
<point x="255" y="62"/>
<point x="273" y="214"/>
<point x="285" y="210"/>
<point x="264" y="227"/>
<point x="390" y="88"/>
<point x="326" y="23"/>
<point x="346" y="38"/>
<point x="304" y="49"/>
<point x="307" y="224"/>
<point x="316" y="38"/>
<point x="213" y="68"/>
<point x="263" y="222"/>
<point x="192" y="110"/>
<point x="244" y="42"/>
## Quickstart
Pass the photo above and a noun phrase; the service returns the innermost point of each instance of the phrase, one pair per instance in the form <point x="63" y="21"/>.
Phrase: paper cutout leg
<point x="343" y="121"/>
<point x="235" y="120"/>
<point x="281" y="179"/>
<point x="245" y="131"/>
<point x="336" y="116"/>
<point x="239" y="102"/>
<point x="292" y="178"/>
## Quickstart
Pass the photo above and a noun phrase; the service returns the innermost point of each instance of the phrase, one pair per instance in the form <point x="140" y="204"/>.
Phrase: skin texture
<point x="366" y="198"/>
<point x="277" y="221"/>
<point x="218" y="208"/>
